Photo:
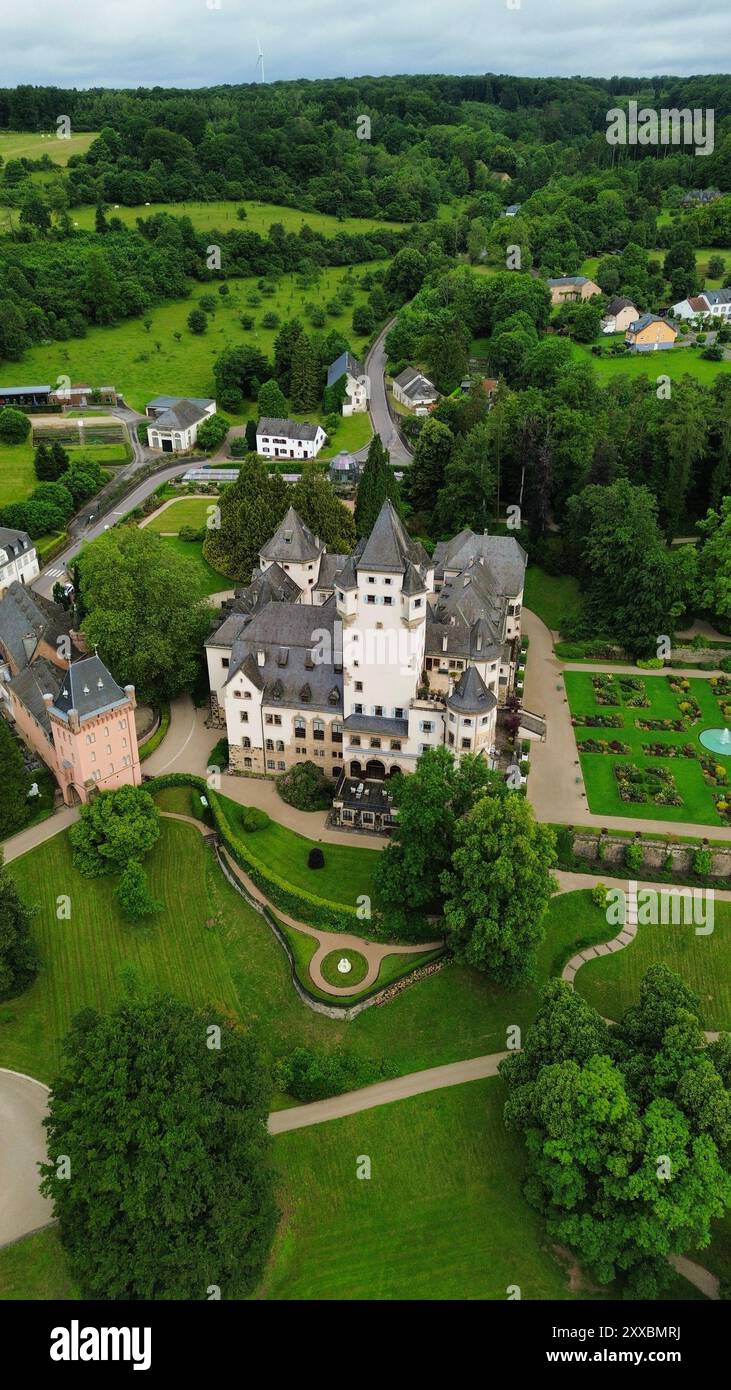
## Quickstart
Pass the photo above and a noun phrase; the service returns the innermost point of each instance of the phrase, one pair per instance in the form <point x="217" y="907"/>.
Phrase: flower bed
<point x="606" y="691"/>
<point x="667" y="726"/>
<point x="669" y="750"/>
<point x="647" y="784"/>
<point x="597" y="745"/>
<point x="633" y="692"/>
<point x="598" y="721"/>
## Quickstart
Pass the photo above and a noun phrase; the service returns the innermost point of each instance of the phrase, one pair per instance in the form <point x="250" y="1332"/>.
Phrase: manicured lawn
<point x="598" y="768"/>
<point x="442" y="1216"/>
<point x="353" y="432"/>
<point x="611" y="983"/>
<point x="35" y="1269"/>
<point x="347" y="873"/>
<point x="27" y="145"/>
<point x="553" y="598"/>
<point x="676" y="363"/>
<point x="209" y="580"/>
<point x="143" y="364"/>
<point x="222" y="216"/>
<point x="358" y="968"/>
<point x="189" y="511"/>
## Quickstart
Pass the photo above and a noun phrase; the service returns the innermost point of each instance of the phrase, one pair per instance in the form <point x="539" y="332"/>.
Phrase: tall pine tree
<point x="377" y="482"/>
<point x="305" y="391"/>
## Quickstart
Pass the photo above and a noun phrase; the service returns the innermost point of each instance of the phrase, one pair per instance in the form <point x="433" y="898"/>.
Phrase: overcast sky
<point x="192" y="43"/>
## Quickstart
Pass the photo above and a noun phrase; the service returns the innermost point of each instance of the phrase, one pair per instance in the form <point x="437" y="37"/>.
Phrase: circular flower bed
<point x="358" y="968"/>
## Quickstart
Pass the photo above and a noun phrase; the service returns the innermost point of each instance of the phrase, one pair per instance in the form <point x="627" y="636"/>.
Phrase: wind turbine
<point x="260" y="61"/>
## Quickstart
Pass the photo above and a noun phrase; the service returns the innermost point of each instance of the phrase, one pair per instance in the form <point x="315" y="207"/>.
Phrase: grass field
<point x="675" y="363"/>
<point x="144" y="364"/>
<point x="611" y="983"/>
<point x="597" y="768"/>
<point x="552" y="597"/>
<point x="442" y="1215"/>
<point x="24" y="145"/>
<point x="209" y="580"/>
<point x="222" y="216"/>
<point x="17" y="478"/>
<point x="188" y="511"/>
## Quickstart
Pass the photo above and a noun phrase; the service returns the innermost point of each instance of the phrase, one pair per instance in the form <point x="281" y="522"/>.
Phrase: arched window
<point x="318" y="729"/>
<point x="246" y="743"/>
<point x="280" y="746"/>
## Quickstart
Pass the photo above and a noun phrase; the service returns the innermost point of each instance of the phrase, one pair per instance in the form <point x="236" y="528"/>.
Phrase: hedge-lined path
<point x="553" y="789"/>
<point x="328" y="941"/>
<point x="569" y="882"/>
<point x="187" y="747"/>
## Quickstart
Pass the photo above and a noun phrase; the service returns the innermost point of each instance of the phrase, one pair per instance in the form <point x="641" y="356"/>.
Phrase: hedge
<point x="156" y="739"/>
<point x="306" y="907"/>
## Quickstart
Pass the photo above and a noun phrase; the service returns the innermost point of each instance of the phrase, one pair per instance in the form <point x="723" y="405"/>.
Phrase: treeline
<point x="430" y="138"/>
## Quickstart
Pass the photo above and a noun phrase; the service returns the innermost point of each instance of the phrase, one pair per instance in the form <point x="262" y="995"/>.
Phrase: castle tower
<point x="93" y="728"/>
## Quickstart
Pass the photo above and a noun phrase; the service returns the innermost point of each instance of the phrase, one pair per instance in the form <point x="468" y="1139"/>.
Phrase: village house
<point x="18" y="559"/>
<point x="701" y="197"/>
<point x="402" y="653"/>
<point x="414" y="390"/>
<point x="650" y="334"/>
<point x="709" y="304"/>
<point x="175" y="421"/>
<point x="356" y="382"/>
<point x="63" y="702"/>
<point x="288" y="439"/>
<point x="618" y="315"/>
<point x="570" y="289"/>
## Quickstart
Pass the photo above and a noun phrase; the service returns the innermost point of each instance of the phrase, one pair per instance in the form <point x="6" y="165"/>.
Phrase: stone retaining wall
<point x="655" y="853"/>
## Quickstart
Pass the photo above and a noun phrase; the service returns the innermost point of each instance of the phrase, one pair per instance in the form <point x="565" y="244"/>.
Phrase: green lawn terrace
<point x="145" y="364"/>
<point x="687" y="783"/>
<point x="675" y="363"/>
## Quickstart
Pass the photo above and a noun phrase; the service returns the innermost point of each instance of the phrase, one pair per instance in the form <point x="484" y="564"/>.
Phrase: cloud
<point x="195" y="43"/>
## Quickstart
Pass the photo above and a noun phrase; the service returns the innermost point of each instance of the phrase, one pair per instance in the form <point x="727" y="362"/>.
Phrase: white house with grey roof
<point x="404" y="653"/>
<point x="414" y="390"/>
<point x="356" y="382"/>
<point x="18" y="559"/>
<point x="288" y="439"/>
<point x="175" y="421"/>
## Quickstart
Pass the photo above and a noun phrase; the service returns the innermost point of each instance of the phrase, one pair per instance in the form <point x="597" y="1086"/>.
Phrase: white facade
<point x="356" y="396"/>
<point x="291" y="441"/>
<point x="175" y="421"/>
<point x="18" y="558"/>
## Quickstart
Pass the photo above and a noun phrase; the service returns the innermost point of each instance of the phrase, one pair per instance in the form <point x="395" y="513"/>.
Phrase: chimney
<point x="29" y="642"/>
<point x="47" y="700"/>
<point x="74" y="721"/>
<point x="129" y="691"/>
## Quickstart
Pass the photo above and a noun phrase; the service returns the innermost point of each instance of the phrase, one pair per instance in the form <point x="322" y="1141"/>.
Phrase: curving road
<point x="375" y="365"/>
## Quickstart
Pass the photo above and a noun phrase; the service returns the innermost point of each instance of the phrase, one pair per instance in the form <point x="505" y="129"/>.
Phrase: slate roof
<point x="505" y="559"/>
<point x="32" y="683"/>
<point x="470" y="695"/>
<point x="413" y="383"/>
<point x="288" y="636"/>
<point x="330" y="567"/>
<point x="717" y="296"/>
<point x="347" y="578"/>
<point x="89" y="688"/>
<point x="22" y="612"/>
<point x="645" y="320"/>
<point x="616" y="305"/>
<point x="389" y="546"/>
<point x="376" y="724"/>
<point x="14" y="542"/>
<point x="569" y="280"/>
<point x="286" y="429"/>
<point x="345" y="363"/>
<point x="167" y="402"/>
<point x="292" y="541"/>
<point x="179" y="417"/>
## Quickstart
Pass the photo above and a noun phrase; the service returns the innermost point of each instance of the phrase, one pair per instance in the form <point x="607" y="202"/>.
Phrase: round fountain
<point x="344" y="965"/>
<point x="717" y="740"/>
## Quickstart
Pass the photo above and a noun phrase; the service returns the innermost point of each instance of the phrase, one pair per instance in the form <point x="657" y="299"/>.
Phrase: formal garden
<point x="639" y="744"/>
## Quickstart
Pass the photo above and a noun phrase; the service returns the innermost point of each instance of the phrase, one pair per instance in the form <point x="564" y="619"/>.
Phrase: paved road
<point x="384" y="1092"/>
<point x="88" y="531"/>
<point x="23" y="1105"/>
<point x="375" y="366"/>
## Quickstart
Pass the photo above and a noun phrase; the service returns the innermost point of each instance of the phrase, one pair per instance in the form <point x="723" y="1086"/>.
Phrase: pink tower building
<point x="93" y="730"/>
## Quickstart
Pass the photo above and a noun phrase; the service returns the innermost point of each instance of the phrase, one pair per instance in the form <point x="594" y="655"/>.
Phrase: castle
<point x="361" y="662"/>
<point x="63" y="701"/>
